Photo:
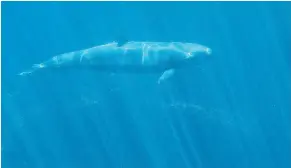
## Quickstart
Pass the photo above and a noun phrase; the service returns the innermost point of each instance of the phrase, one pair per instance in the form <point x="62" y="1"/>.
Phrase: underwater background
<point x="230" y="111"/>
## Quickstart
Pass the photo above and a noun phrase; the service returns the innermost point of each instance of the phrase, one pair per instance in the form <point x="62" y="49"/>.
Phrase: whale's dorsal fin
<point x="167" y="74"/>
<point x="121" y="42"/>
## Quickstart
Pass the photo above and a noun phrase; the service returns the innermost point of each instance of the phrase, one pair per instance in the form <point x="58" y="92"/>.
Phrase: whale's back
<point x="133" y="56"/>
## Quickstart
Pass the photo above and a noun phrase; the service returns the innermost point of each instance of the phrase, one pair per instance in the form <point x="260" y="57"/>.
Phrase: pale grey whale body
<point x="163" y="57"/>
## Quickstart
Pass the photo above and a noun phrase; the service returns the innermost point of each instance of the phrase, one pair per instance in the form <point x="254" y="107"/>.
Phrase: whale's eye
<point x="189" y="54"/>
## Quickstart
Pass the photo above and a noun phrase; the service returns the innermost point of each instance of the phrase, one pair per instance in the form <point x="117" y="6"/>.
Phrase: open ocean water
<point x="230" y="111"/>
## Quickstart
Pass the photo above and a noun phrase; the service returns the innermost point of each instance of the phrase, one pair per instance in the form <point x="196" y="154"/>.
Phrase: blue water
<point x="230" y="111"/>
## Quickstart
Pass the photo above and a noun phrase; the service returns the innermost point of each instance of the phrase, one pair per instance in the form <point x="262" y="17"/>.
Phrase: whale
<point x="133" y="56"/>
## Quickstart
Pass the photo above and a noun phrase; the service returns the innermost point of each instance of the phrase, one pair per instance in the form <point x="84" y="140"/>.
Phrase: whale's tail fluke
<point x="25" y="73"/>
<point x="34" y="68"/>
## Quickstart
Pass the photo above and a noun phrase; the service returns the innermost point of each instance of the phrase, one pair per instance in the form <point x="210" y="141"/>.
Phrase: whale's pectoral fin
<point x="167" y="74"/>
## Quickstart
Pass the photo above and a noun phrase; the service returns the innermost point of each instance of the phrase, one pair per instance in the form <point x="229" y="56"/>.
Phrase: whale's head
<point x="191" y="50"/>
<point x="194" y="50"/>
